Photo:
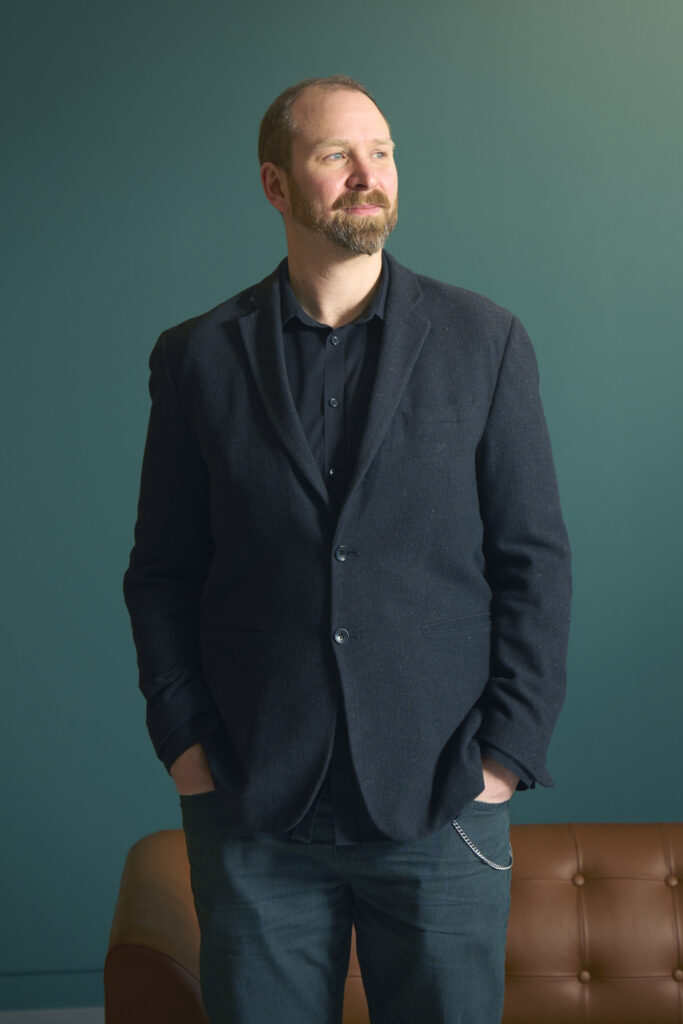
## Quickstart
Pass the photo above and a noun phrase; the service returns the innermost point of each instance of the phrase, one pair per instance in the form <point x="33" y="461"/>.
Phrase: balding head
<point x="279" y="127"/>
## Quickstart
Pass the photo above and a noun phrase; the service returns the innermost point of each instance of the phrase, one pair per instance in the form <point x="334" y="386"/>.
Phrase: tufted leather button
<point x="341" y="636"/>
<point x="341" y="553"/>
<point x="671" y="881"/>
<point x="678" y="974"/>
<point x="584" y="975"/>
<point x="578" y="879"/>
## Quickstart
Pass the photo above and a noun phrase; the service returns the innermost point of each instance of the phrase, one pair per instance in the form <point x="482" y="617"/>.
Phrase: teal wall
<point x="540" y="152"/>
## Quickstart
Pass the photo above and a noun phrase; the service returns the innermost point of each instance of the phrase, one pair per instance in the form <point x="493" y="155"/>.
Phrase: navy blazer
<point x="434" y="609"/>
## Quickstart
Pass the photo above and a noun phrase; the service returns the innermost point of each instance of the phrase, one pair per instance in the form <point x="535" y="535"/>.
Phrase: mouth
<point x="359" y="204"/>
<point x="363" y="211"/>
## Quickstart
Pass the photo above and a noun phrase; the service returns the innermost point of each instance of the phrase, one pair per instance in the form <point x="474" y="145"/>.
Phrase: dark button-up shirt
<point x="331" y="375"/>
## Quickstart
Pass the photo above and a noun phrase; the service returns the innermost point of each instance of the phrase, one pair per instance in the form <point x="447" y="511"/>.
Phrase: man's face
<point x="343" y="183"/>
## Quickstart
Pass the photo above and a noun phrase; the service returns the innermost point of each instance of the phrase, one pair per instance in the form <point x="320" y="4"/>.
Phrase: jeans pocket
<point x="490" y="828"/>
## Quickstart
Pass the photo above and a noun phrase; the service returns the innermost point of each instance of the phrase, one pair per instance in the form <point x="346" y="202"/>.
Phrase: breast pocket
<point x="448" y="434"/>
<point x="454" y="412"/>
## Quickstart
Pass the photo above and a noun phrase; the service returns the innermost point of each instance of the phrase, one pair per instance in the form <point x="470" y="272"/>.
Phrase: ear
<point x="274" y="183"/>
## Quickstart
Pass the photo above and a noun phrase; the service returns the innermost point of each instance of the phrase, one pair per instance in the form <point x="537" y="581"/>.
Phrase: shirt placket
<point x="334" y="462"/>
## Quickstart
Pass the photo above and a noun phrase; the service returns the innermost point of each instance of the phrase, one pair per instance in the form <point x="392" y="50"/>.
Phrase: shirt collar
<point x="289" y="307"/>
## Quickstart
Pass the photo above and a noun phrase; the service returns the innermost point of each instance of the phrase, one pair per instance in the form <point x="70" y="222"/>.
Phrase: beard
<point x="358" y="234"/>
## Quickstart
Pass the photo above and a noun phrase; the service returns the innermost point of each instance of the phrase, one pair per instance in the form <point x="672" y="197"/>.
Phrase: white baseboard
<point x="83" y="1015"/>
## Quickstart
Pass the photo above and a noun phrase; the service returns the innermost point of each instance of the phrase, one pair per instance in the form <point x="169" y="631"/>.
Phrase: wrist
<point x="499" y="771"/>
<point x="499" y="782"/>
<point x="190" y="771"/>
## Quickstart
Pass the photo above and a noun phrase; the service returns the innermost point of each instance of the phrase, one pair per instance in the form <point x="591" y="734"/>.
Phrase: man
<point x="349" y="594"/>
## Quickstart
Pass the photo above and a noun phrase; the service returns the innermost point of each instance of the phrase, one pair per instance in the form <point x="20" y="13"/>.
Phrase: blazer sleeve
<point x="167" y="571"/>
<point x="527" y="560"/>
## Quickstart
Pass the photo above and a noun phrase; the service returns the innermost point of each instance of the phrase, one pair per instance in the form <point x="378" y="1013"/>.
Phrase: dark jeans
<point x="275" y="918"/>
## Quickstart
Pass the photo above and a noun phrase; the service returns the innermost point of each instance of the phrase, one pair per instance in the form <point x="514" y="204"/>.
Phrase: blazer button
<point x="341" y="553"/>
<point x="341" y="636"/>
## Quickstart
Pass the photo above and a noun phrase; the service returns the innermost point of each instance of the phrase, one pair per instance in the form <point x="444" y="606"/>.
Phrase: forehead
<point x="321" y="114"/>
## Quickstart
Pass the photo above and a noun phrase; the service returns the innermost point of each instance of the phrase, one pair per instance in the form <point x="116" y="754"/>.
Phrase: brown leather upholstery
<point x="596" y="925"/>
<point x="152" y="968"/>
<point x="595" y="934"/>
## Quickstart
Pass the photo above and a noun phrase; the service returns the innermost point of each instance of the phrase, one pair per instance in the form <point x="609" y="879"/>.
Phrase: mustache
<point x="373" y="198"/>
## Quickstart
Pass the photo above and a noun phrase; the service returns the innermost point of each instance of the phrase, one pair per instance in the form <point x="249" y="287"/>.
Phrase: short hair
<point x="278" y="126"/>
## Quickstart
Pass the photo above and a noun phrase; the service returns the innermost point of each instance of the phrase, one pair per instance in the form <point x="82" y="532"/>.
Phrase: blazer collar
<point x="262" y="336"/>
<point x="405" y="329"/>
<point x="404" y="333"/>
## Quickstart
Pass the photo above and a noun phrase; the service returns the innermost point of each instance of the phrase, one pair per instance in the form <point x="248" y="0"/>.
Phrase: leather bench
<point x="595" y="933"/>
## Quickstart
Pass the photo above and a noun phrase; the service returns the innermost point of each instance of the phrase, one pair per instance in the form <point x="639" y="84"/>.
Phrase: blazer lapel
<point x="262" y="336"/>
<point x="403" y="335"/>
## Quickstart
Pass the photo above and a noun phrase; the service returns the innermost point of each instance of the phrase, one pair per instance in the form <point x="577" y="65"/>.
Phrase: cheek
<point x="321" y="194"/>
<point x="392" y="181"/>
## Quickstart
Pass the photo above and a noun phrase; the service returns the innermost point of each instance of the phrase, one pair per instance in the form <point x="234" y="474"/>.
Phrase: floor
<point x="83" y="1015"/>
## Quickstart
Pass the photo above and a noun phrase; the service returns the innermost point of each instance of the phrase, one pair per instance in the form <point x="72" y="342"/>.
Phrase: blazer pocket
<point x="461" y="625"/>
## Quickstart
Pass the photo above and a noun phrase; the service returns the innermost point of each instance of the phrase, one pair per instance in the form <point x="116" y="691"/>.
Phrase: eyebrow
<point x="326" y="143"/>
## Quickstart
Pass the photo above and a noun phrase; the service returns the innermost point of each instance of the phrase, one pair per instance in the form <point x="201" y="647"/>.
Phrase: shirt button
<point x="341" y="553"/>
<point x="334" y="339"/>
<point x="333" y="402"/>
<point x="341" y="636"/>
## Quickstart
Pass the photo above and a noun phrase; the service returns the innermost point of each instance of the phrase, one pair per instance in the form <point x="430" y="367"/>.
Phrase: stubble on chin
<point x="363" y="235"/>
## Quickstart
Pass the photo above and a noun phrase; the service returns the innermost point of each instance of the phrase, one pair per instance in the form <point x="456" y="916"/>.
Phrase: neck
<point x="332" y="286"/>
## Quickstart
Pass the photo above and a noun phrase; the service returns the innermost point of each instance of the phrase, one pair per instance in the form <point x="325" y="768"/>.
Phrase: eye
<point x="334" y="157"/>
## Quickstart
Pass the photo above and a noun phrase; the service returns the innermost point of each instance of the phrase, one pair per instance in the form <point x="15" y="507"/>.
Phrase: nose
<point x="362" y="175"/>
